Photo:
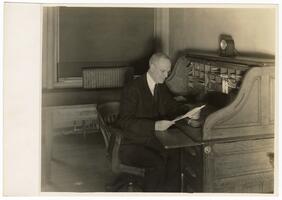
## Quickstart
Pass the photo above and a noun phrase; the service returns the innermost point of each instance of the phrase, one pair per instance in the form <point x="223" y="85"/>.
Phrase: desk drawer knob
<point x="207" y="149"/>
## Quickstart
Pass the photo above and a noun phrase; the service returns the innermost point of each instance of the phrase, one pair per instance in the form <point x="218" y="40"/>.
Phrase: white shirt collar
<point x="151" y="83"/>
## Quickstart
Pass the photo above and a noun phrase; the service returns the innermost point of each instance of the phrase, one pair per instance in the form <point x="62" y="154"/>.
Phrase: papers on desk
<point x="191" y="114"/>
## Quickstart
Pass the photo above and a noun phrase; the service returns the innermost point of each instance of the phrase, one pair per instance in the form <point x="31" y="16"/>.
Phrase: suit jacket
<point x="139" y="110"/>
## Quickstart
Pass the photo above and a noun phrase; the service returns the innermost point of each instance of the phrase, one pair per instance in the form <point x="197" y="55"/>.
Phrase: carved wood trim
<point x="208" y="169"/>
<point x="177" y="81"/>
<point x="272" y="99"/>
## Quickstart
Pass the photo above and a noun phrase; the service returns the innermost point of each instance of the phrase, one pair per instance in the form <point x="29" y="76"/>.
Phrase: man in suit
<point x="148" y="106"/>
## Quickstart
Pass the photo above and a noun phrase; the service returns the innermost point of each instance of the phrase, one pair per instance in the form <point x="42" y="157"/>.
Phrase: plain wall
<point x="104" y="35"/>
<point x="253" y="29"/>
<point x="93" y="35"/>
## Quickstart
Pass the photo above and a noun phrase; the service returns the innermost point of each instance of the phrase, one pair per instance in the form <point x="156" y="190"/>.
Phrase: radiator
<point x="106" y="77"/>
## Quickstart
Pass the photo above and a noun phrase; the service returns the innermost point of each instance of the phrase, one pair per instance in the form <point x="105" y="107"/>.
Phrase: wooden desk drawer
<point x="249" y="183"/>
<point x="239" y="166"/>
<point x="193" y="156"/>
<point x="243" y="146"/>
<point x="194" y="151"/>
<point x="193" y="181"/>
<point x="193" y="173"/>
<point x="193" y="169"/>
<point x="242" y="157"/>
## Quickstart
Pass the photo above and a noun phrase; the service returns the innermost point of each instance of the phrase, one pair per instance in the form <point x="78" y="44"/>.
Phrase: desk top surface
<point x="174" y="138"/>
<point x="194" y="133"/>
<point x="184" y="136"/>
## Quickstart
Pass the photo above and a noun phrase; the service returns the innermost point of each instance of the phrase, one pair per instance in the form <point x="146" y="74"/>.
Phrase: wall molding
<point x="51" y="37"/>
<point x="161" y="29"/>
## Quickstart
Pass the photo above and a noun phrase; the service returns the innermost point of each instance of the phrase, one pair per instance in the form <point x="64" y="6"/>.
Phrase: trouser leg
<point x="172" y="163"/>
<point x="152" y="161"/>
<point x="172" y="182"/>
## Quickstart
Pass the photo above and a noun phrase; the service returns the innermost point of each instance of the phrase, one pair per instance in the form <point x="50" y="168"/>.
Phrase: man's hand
<point x="163" y="125"/>
<point x="193" y="123"/>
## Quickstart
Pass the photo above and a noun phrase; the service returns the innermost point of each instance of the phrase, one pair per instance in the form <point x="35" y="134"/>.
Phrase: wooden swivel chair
<point x="107" y="115"/>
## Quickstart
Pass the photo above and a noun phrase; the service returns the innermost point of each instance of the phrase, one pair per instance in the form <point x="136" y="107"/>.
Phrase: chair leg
<point x="130" y="187"/>
<point x="116" y="184"/>
<point x="124" y="183"/>
<point x="134" y="184"/>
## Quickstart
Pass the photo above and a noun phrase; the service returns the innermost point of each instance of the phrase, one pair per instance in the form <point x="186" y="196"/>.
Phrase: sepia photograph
<point x="155" y="99"/>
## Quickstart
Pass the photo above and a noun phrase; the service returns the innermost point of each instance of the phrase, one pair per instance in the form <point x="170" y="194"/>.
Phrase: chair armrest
<point x="117" y="131"/>
<point x="117" y="135"/>
<point x="104" y="130"/>
<point x="117" y="166"/>
<point x="115" y="143"/>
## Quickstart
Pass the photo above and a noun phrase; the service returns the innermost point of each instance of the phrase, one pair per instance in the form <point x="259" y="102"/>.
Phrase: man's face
<point x="160" y="70"/>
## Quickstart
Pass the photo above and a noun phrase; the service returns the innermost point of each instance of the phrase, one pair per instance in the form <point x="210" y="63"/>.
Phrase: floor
<point x="79" y="164"/>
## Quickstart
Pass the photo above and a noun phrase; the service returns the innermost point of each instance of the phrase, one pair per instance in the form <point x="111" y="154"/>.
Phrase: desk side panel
<point x="240" y="166"/>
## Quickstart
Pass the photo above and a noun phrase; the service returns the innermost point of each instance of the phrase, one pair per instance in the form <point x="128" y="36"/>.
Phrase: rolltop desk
<point x="232" y="150"/>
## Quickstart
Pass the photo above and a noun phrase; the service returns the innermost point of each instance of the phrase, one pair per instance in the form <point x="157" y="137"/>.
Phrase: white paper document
<point x="190" y="114"/>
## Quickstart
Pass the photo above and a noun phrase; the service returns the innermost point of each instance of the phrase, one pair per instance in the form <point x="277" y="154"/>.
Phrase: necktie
<point x="156" y="99"/>
<point x="156" y="93"/>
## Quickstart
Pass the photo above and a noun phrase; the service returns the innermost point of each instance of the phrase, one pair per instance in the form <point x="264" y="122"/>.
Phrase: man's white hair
<point x="156" y="57"/>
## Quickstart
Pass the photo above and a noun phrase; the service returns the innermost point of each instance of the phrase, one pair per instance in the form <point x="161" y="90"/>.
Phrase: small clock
<point x="223" y="44"/>
<point x="226" y="46"/>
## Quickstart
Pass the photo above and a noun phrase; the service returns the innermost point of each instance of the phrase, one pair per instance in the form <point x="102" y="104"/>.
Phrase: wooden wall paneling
<point x="56" y="120"/>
